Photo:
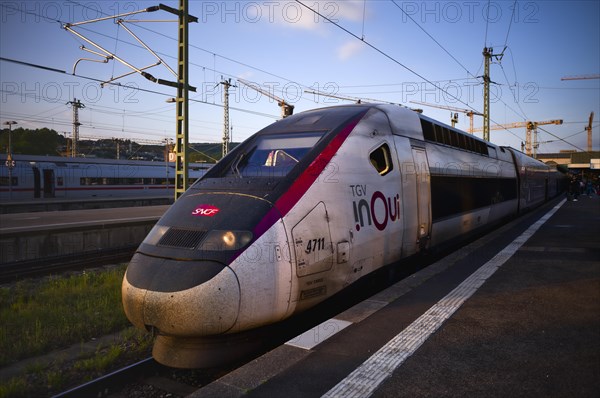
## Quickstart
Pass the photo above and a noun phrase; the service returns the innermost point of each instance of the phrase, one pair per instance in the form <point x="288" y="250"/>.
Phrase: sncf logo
<point x="205" y="210"/>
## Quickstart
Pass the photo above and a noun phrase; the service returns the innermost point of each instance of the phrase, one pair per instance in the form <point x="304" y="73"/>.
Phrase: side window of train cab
<point x="381" y="159"/>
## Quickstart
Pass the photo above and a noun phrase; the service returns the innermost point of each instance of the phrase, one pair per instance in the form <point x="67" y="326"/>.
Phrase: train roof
<point x="403" y="121"/>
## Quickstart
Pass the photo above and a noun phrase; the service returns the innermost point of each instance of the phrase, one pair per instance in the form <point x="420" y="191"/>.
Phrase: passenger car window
<point x="381" y="159"/>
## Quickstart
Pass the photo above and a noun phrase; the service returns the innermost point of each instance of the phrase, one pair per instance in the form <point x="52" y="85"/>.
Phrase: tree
<point x="33" y="142"/>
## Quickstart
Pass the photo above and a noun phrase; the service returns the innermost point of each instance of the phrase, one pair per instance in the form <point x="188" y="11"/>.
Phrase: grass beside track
<point x="42" y="315"/>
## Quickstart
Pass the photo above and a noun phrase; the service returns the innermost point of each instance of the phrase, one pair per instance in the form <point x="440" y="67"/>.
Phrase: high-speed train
<point x="42" y="177"/>
<point x="307" y="206"/>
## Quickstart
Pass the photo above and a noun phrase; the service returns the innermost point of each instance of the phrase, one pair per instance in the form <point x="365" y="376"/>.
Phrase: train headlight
<point x="219" y="240"/>
<point x="229" y="239"/>
<point x="155" y="234"/>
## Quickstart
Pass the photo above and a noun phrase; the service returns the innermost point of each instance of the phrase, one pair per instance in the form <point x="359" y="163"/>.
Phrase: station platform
<point x="27" y="237"/>
<point x="514" y="313"/>
<point x="63" y="204"/>
<point x="55" y="220"/>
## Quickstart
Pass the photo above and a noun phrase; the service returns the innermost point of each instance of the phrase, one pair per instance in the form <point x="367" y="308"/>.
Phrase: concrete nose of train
<point x="180" y="298"/>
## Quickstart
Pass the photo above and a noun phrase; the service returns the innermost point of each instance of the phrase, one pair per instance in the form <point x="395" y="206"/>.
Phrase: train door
<point x="423" y="196"/>
<point x="48" y="183"/>
<point x="312" y="242"/>
<point x="37" y="185"/>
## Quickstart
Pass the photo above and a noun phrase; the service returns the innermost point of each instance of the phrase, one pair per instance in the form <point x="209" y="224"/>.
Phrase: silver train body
<point x="43" y="177"/>
<point x="306" y="207"/>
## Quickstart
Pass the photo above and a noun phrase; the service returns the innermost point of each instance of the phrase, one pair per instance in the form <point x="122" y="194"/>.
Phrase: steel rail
<point x="112" y="382"/>
<point x="14" y="271"/>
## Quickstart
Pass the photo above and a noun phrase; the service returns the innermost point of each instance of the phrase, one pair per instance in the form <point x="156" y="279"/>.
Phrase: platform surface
<point x="515" y="313"/>
<point x="54" y="220"/>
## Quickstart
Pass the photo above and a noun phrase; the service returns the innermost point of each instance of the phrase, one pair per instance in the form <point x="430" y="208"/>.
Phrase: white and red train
<point x="42" y="177"/>
<point x="304" y="208"/>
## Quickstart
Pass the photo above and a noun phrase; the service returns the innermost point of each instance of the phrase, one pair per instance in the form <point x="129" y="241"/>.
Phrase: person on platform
<point x="574" y="189"/>
<point x="589" y="189"/>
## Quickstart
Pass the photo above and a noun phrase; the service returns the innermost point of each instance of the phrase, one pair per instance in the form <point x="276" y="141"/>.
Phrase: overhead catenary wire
<point x="98" y="127"/>
<point x="395" y="60"/>
<point x="508" y="83"/>
<point x="562" y="139"/>
<point x="462" y="66"/>
<point x="487" y="24"/>
<point x="133" y="88"/>
<point x="432" y="38"/>
<point x="364" y="17"/>
<point x="383" y="53"/>
<point x="98" y="108"/>
<point x="204" y="68"/>
<point x="514" y="8"/>
<point x="487" y="21"/>
<point x="214" y="54"/>
<point x="513" y="94"/>
<point x="399" y="84"/>
<point x="112" y="75"/>
<point x="362" y="39"/>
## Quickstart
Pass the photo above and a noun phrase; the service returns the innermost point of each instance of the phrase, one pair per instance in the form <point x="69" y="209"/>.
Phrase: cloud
<point x="352" y="10"/>
<point x="295" y="15"/>
<point x="247" y="75"/>
<point x="349" y="49"/>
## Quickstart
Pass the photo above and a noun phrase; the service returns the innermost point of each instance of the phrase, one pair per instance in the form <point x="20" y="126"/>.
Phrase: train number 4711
<point x="314" y="245"/>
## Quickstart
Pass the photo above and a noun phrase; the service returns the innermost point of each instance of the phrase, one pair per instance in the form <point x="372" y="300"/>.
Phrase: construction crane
<point x="581" y="77"/>
<point x="358" y="100"/>
<point x="286" y="109"/>
<point x="340" y="97"/>
<point x="589" y="133"/>
<point x="349" y="98"/>
<point x="530" y="148"/>
<point x="470" y="113"/>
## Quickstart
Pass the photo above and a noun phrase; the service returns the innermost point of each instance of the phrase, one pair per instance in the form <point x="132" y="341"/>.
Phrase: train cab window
<point x="381" y="159"/>
<point x="468" y="143"/>
<point x="274" y="155"/>
<point x="483" y="149"/>
<point x="439" y="133"/>
<point x="428" y="131"/>
<point x="447" y="136"/>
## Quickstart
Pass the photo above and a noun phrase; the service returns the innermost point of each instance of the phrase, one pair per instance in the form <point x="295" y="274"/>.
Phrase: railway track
<point x="145" y="378"/>
<point x="10" y="272"/>
<point x="112" y="382"/>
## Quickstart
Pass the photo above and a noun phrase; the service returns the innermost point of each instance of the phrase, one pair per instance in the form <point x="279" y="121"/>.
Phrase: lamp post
<point x="167" y="153"/>
<point x="168" y="150"/>
<point x="10" y="163"/>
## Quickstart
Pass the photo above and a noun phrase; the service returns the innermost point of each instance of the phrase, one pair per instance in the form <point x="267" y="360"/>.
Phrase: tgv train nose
<point x="180" y="298"/>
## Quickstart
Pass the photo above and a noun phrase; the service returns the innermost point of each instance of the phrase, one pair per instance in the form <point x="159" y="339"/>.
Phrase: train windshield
<point x="273" y="155"/>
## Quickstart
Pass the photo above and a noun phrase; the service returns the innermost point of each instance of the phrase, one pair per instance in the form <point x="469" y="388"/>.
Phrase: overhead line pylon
<point x="226" y="85"/>
<point x="77" y="105"/>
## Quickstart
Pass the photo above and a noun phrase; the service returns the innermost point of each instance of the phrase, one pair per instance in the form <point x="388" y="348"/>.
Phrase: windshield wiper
<point x="235" y="166"/>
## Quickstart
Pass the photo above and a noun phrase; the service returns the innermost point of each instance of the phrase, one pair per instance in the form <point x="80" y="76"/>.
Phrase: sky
<point x="391" y="51"/>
